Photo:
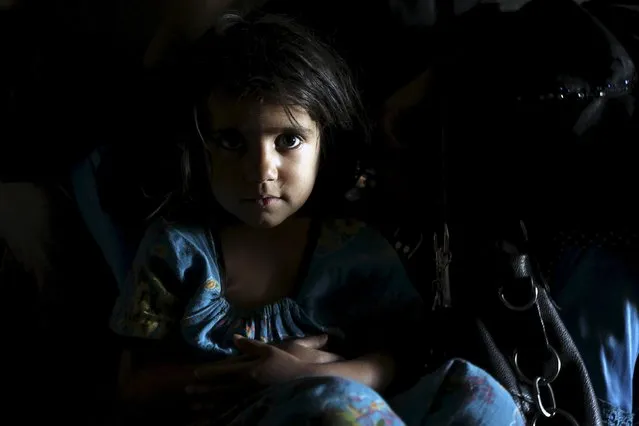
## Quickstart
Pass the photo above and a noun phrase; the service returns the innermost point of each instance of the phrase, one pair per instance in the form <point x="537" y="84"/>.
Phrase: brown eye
<point x="231" y="145"/>
<point x="288" y="142"/>
<point x="229" y="140"/>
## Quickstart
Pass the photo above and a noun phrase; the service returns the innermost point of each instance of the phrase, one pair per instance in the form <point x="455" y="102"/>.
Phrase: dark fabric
<point x="513" y="151"/>
<point x="57" y="341"/>
<point x="481" y="328"/>
<point x="621" y="17"/>
<point x="529" y="153"/>
<point x="73" y="79"/>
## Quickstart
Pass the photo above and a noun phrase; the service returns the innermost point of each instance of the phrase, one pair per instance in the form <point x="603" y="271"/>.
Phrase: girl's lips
<point x="263" y="202"/>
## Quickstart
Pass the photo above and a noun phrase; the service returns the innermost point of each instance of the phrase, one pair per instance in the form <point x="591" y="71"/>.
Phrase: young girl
<point x="257" y="305"/>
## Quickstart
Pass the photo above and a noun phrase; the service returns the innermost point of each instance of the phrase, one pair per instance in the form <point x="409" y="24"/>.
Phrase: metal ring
<point x="534" y="292"/>
<point x="558" y="413"/>
<point x="540" y="403"/>
<point x="547" y="380"/>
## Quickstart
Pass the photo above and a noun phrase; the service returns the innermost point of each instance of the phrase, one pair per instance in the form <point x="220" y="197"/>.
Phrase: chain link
<point x="551" y="377"/>
<point x="547" y="407"/>
<point x="534" y="295"/>
<point x="552" y="409"/>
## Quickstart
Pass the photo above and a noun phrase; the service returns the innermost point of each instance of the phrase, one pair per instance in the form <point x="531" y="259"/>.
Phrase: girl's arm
<point x="148" y="310"/>
<point x="375" y="370"/>
<point x="149" y="373"/>
<point x="143" y="380"/>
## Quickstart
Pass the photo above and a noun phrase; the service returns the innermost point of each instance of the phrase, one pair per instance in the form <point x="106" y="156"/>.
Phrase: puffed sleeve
<point x="170" y="264"/>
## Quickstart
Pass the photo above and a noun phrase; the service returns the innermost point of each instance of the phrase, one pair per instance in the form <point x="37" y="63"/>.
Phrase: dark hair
<point x="271" y="59"/>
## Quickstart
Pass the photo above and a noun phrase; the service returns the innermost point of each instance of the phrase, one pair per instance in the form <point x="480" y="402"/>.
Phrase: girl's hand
<point x="268" y="365"/>
<point x="263" y="364"/>
<point x="258" y="357"/>
<point x="308" y="349"/>
<point x="260" y="365"/>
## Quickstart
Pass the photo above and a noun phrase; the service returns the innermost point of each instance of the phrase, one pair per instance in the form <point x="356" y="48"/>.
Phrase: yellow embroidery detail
<point x="212" y="284"/>
<point x="250" y="331"/>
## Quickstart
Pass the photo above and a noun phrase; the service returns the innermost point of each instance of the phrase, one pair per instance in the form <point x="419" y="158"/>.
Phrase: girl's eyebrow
<point x="289" y="129"/>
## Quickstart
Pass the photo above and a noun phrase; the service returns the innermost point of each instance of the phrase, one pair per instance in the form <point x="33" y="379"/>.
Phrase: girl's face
<point x="264" y="161"/>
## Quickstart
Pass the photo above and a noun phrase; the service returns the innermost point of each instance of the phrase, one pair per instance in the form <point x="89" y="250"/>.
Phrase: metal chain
<point x="544" y="394"/>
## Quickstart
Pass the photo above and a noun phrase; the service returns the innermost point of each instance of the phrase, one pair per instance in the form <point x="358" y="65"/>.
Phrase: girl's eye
<point x="231" y="141"/>
<point x="288" y="142"/>
<point x="230" y="145"/>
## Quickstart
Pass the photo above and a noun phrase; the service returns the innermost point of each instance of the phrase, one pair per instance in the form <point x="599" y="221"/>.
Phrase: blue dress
<point x="355" y="290"/>
<point x="599" y="302"/>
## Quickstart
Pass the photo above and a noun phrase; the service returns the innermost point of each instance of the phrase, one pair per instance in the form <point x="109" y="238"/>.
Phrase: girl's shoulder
<point x="167" y="239"/>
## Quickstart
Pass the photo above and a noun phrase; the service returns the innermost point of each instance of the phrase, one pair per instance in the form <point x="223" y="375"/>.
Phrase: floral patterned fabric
<point x="458" y="393"/>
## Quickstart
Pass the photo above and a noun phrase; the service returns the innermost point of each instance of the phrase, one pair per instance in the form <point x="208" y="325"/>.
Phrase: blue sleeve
<point x="379" y="308"/>
<point x="171" y="263"/>
<point x="399" y="311"/>
<point x="393" y="321"/>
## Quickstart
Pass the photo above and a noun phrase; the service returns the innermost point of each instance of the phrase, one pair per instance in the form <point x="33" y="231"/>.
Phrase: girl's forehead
<point x="251" y="116"/>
